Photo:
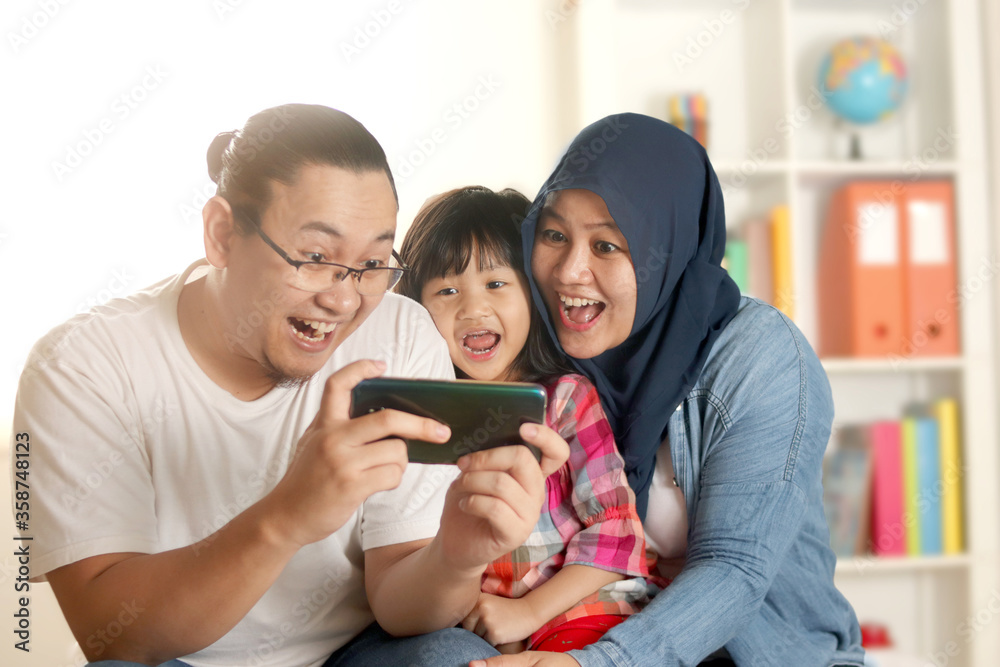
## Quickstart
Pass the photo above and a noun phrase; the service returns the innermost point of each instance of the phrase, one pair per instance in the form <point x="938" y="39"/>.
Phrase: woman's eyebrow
<point x="602" y="224"/>
<point x="549" y="213"/>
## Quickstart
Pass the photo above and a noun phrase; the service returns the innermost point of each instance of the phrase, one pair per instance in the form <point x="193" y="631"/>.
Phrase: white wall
<point x="129" y="214"/>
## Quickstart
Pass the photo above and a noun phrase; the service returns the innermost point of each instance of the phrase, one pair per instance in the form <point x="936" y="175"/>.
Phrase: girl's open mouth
<point x="480" y="345"/>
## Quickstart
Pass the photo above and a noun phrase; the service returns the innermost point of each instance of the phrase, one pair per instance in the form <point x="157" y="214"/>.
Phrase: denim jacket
<point x="747" y="447"/>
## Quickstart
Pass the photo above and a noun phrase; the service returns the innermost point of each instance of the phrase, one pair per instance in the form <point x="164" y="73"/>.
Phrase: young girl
<point x="584" y="569"/>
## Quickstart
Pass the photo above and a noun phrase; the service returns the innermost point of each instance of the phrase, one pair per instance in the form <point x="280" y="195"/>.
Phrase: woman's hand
<point x="501" y="620"/>
<point x="528" y="659"/>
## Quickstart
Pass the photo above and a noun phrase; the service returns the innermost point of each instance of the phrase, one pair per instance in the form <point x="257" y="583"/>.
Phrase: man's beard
<point x="281" y="379"/>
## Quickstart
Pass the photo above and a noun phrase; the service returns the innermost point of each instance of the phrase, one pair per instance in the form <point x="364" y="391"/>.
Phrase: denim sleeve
<point x="759" y="420"/>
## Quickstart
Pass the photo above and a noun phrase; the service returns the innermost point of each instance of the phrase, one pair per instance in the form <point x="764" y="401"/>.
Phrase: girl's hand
<point x="528" y="659"/>
<point x="501" y="620"/>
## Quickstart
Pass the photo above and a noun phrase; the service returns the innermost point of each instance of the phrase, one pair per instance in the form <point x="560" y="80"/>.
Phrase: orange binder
<point x="861" y="278"/>
<point x="931" y="324"/>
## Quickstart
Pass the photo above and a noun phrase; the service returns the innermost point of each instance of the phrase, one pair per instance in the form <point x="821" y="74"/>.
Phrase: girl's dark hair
<point x="275" y="143"/>
<point x="442" y="240"/>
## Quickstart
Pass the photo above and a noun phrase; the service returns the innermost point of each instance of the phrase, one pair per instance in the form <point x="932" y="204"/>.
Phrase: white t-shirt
<point x="135" y="449"/>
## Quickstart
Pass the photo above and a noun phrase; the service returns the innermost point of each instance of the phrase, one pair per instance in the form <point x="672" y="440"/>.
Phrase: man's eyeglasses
<point x="324" y="276"/>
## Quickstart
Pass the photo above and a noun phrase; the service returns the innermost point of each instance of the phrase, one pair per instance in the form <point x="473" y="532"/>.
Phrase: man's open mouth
<point x="311" y="331"/>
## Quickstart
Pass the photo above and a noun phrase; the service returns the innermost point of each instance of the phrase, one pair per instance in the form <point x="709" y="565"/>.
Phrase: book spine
<point x="929" y="485"/>
<point x="908" y="431"/>
<point x="951" y="476"/>
<point x="888" y="532"/>
<point x="737" y="264"/>
<point x="781" y="255"/>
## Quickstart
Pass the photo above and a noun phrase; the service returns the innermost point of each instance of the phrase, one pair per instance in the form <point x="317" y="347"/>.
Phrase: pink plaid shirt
<point x="589" y="516"/>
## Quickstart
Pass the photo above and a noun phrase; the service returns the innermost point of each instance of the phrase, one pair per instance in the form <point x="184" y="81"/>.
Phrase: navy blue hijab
<point x="664" y="196"/>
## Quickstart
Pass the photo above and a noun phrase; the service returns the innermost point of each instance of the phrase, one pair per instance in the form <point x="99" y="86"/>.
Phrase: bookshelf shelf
<point x="842" y="365"/>
<point x="757" y="65"/>
<point x="880" y="169"/>
<point x="749" y="167"/>
<point x="865" y="565"/>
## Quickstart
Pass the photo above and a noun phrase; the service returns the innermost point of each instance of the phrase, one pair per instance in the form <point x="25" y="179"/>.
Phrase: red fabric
<point x="576" y="633"/>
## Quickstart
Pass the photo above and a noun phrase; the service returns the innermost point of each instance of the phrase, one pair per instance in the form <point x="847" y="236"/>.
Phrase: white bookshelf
<point x="757" y="71"/>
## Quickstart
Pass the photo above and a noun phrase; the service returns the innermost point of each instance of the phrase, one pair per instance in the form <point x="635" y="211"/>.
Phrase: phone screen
<point x="481" y="415"/>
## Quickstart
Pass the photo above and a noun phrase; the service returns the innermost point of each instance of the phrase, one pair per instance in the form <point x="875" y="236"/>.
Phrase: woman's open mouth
<point x="480" y="345"/>
<point x="579" y="314"/>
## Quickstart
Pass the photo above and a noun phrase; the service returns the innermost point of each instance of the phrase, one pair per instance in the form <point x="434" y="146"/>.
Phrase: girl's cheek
<point x="435" y="315"/>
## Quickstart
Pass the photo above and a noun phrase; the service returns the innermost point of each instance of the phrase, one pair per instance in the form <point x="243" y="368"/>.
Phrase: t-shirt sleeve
<point x="89" y="482"/>
<point x="412" y="511"/>
<point x="612" y="537"/>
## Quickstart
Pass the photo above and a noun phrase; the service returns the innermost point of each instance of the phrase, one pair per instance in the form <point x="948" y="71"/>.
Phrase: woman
<point x="719" y="406"/>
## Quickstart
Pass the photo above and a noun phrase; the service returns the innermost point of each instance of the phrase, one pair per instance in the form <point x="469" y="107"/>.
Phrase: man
<point x="198" y="489"/>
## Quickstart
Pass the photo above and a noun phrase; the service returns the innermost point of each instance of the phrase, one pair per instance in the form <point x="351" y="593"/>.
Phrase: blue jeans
<point x="451" y="647"/>
<point x="374" y="647"/>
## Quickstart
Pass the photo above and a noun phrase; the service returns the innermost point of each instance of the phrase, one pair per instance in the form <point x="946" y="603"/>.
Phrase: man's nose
<point x="342" y="298"/>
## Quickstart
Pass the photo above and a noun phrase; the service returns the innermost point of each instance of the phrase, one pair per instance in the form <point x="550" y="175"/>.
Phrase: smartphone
<point x="481" y="415"/>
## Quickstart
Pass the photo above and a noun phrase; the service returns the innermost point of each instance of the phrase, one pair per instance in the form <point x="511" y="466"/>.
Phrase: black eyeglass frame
<point x="358" y="273"/>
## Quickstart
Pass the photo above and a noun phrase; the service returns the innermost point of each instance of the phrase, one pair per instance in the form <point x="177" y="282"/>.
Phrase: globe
<point x="863" y="79"/>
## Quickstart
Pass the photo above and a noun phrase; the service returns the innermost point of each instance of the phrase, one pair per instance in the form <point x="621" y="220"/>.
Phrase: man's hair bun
<point x="215" y="152"/>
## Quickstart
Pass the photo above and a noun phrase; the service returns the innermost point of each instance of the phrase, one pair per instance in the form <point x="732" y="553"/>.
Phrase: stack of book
<point x="894" y="488"/>
<point x="690" y="113"/>
<point x="759" y="259"/>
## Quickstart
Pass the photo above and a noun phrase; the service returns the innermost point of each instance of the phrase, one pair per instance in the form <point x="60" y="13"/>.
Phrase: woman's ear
<point x="220" y="229"/>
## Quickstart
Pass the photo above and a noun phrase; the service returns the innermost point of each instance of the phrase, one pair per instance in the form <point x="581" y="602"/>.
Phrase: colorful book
<point x="737" y="264"/>
<point x="888" y="530"/>
<point x="781" y="256"/>
<point x="952" y="481"/>
<point x="911" y="515"/>
<point x="690" y="113"/>
<point x="929" y="485"/>
<point x="757" y="234"/>
<point x="678" y="115"/>
<point x="846" y="488"/>
<point x="698" y="105"/>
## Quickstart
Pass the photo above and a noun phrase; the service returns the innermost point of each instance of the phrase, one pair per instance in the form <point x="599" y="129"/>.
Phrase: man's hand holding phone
<point x="340" y="461"/>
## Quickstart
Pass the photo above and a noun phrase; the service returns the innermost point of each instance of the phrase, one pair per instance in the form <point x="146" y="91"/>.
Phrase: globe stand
<point x="856" y="147"/>
<point x="845" y="141"/>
